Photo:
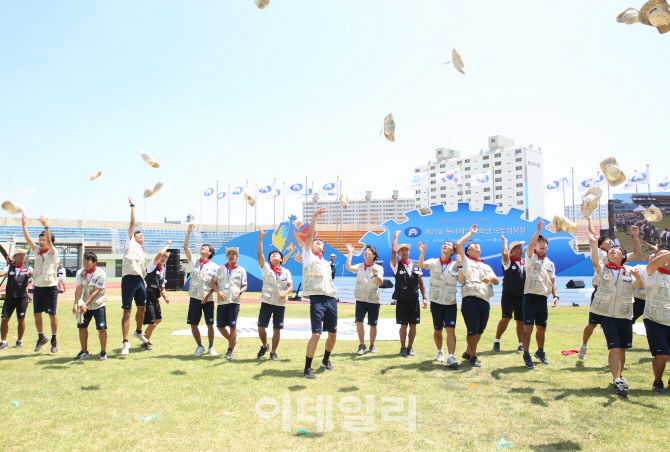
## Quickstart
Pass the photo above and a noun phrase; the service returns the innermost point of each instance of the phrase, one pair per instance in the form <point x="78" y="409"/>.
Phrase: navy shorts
<point x="444" y="315"/>
<point x="407" y="313"/>
<point x="638" y="308"/>
<point x="323" y="313"/>
<point x="100" y="317"/>
<point x="226" y="315"/>
<point x="658" y="337"/>
<point x="535" y="311"/>
<point x="270" y="310"/>
<point x="18" y="304"/>
<point x="475" y="313"/>
<point x="132" y="287"/>
<point x="45" y="299"/>
<point x="512" y="306"/>
<point x="371" y="309"/>
<point x="618" y="332"/>
<point x="153" y="312"/>
<point x="595" y="319"/>
<point x="196" y="309"/>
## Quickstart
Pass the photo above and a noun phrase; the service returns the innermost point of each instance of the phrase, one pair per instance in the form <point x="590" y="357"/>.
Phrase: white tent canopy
<point x="639" y="209"/>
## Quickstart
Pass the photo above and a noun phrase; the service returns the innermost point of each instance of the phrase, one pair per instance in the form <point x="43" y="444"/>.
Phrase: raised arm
<point x="394" y="249"/>
<point x="463" y="240"/>
<point x="161" y="253"/>
<point x="261" y="259"/>
<point x="131" y="227"/>
<point x="350" y="253"/>
<point x="47" y="235"/>
<point x="191" y="227"/>
<point x="422" y="255"/>
<point x="312" y="228"/>
<point x="505" y="251"/>
<point x="595" y="260"/>
<point x="638" y="279"/>
<point x="657" y="262"/>
<point x="533" y="239"/>
<point x="591" y="230"/>
<point x="637" y="246"/>
<point x="29" y="241"/>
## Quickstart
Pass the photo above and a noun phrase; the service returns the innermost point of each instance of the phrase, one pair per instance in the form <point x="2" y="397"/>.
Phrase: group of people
<point x="621" y="295"/>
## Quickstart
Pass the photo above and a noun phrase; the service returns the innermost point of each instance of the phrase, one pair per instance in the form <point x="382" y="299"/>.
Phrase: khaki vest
<point x="473" y="285"/>
<point x="614" y="299"/>
<point x="538" y="281"/>
<point x="272" y="287"/>
<point x="228" y="287"/>
<point x="367" y="289"/>
<point x="89" y="286"/>
<point x="134" y="258"/>
<point x="657" y="307"/>
<point x="602" y="257"/>
<point x="317" y="278"/>
<point x="46" y="269"/>
<point x="640" y="293"/>
<point x="443" y="288"/>
<point x="201" y="282"/>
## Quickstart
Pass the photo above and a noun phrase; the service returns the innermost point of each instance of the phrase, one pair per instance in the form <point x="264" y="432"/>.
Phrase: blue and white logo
<point x="265" y="190"/>
<point x="663" y="186"/>
<point x="296" y="188"/>
<point x="329" y="186"/>
<point x="483" y="179"/>
<point x="222" y="195"/>
<point x="238" y="190"/>
<point x="639" y="177"/>
<point x="416" y="179"/>
<point x="275" y="193"/>
<point x="412" y="232"/>
<point x="553" y="185"/>
<point x="209" y="192"/>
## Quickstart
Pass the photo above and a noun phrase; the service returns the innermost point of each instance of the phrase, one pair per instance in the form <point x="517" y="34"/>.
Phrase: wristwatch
<point x="556" y="296"/>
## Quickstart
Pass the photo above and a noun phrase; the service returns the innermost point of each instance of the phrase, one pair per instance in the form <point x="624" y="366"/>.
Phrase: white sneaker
<point x="199" y="350"/>
<point x="582" y="351"/>
<point x="126" y="348"/>
<point x="212" y="352"/>
<point x="141" y="337"/>
<point x="440" y="356"/>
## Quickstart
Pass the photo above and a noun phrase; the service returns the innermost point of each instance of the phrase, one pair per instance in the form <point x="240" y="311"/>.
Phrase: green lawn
<point x="207" y="403"/>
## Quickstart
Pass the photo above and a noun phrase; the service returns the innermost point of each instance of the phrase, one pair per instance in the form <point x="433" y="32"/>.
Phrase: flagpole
<point x="246" y="204"/>
<point x="600" y="215"/>
<point x="255" y="205"/>
<point x="283" y="207"/>
<point x="228" y="210"/>
<point x="648" y="180"/>
<point x="563" y="187"/>
<point x="574" y="215"/>
<point x="635" y="184"/>
<point x="274" y="205"/>
<point x="200" y="209"/>
<point x="493" y="184"/>
<point x="304" y="211"/>
<point x="217" y="212"/>
<point x="338" y="226"/>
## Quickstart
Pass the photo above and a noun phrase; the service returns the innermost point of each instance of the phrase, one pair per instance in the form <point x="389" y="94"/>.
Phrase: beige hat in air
<point x="95" y="175"/>
<point x="653" y="214"/>
<point x="344" y="199"/>
<point x="513" y="244"/>
<point x="13" y="207"/>
<point x="612" y="172"/>
<point x="630" y="16"/>
<point x="262" y="3"/>
<point x="564" y="225"/>
<point x="591" y="200"/>
<point x="389" y="127"/>
<point x="150" y="191"/>
<point x="249" y="196"/>
<point x="656" y="14"/>
<point x="149" y="159"/>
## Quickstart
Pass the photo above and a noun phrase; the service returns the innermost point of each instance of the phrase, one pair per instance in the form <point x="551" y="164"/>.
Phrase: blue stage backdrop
<point x="440" y="226"/>
<point x="289" y="238"/>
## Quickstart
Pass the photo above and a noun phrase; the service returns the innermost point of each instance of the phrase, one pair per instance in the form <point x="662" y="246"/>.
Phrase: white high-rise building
<point x="516" y="171"/>
<point x="598" y="212"/>
<point x="360" y="211"/>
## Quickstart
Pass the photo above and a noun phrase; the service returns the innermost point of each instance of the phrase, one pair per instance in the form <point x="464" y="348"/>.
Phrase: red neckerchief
<point x="368" y="266"/>
<point x="538" y="256"/>
<point x="228" y="267"/>
<point x="319" y="255"/>
<point x="205" y="262"/>
<point x="474" y="259"/>
<point x="87" y="272"/>
<point x="277" y="270"/>
<point x="613" y="266"/>
<point x="407" y="264"/>
<point x="160" y="269"/>
<point x="20" y="269"/>
<point x="518" y="261"/>
<point x="445" y="262"/>
<point x="43" y="251"/>
<point x="664" y="271"/>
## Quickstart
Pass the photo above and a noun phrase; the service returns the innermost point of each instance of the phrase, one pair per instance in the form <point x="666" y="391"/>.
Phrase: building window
<point x="487" y="189"/>
<point x="432" y="182"/>
<point x="499" y="204"/>
<point x="519" y="193"/>
<point x="498" y="196"/>
<point x="432" y="174"/>
<point x="460" y="193"/>
<point x="467" y="168"/>
<point x="442" y="165"/>
<point x="443" y="195"/>
<point x="519" y="185"/>
<point x="518" y="151"/>
<point x="518" y="159"/>
<point x="432" y="197"/>
<point x="418" y="192"/>
<point x="432" y="167"/>
<point x="497" y="155"/>
<point x="468" y="199"/>
<point x="444" y="187"/>
<point x="459" y="162"/>
<point x="467" y="176"/>
<point x="486" y="165"/>
<point x="498" y="179"/>
<point x="519" y="168"/>
<point x="467" y="160"/>
<point x="499" y="187"/>
<point x="519" y="203"/>
<point x="498" y="171"/>
<point x="418" y="199"/>
<point x="433" y="189"/>
<point x="486" y="157"/>
<point x="498" y="163"/>
<point x="417" y="170"/>
<point x="487" y="198"/>
<point x="467" y="192"/>
<point x="519" y="176"/>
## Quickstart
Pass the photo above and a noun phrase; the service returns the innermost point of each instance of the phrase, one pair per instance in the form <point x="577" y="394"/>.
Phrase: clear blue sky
<point x="223" y="90"/>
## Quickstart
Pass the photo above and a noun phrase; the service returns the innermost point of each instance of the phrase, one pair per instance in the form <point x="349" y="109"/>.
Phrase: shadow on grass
<point x="500" y="353"/>
<point x="538" y="401"/>
<point x="294" y="373"/>
<point x="423" y="366"/>
<point x="55" y="367"/>
<point x="13" y="357"/>
<point x="608" y="393"/>
<point x="510" y="370"/>
<point x="559" y="446"/>
<point x="349" y="389"/>
<point x="522" y="391"/>
<point x="645" y="360"/>
<point x="90" y="388"/>
<point x="63" y="360"/>
<point x="296" y="388"/>
<point x="178" y="372"/>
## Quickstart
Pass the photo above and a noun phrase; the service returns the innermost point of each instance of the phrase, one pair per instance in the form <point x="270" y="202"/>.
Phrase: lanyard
<point x="617" y="276"/>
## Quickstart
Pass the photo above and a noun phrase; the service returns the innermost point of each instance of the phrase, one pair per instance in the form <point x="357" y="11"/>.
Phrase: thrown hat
<point x="403" y="245"/>
<point x="95" y="175"/>
<point x="149" y="159"/>
<point x="656" y="14"/>
<point x="612" y="172"/>
<point x="565" y="225"/>
<point x="458" y="61"/>
<point x="591" y="200"/>
<point x="513" y="244"/>
<point x="262" y="3"/>
<point x="629" y="16"/>
<point x="389" y="127"/>
<point x="344" y="199"/>
<point x="150" y="191"/>
<point x="13" y="207"/>
<point x="249" y="196"/>
<point x="78" y="315"/>
<point x="18" y="251"/>
<point x="653" y="214"/>
<point x="233" y="248"/>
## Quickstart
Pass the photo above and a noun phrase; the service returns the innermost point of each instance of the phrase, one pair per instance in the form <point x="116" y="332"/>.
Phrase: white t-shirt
<point x="649" y="280"/>
<point x="61" y="273"/>
<point x="151" y="267"/>
<point x="368" y="271"/>
<point x="520" y="263"/>
<point x="395" y="267"/>
<point x="209" y="268"/>
<point x="100" y="284"/>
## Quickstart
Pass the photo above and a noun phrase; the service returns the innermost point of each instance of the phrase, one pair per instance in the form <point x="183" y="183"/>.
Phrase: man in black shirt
<point x="18" y="274"/>
<point x="514" y="278"/>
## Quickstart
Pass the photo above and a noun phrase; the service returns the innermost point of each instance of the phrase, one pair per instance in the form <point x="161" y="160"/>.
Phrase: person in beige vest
<point x="45" y="280"/>
<point x="133" y="286"/>
<point x="318" y="286"/>
<point x="604" y="244"/>
<point x="656" y="316"/>
<point x="442" y="295"/>
<point x="477" y="280"/>
<point x="277" y="284"/>
<point x="540" y="283"/>
<point x="613" y="301"/>
<point x="202" y="273"/>
<point x="90" y="299"/>
<point x="229" y="283"/>
<point x="369" y="276"/>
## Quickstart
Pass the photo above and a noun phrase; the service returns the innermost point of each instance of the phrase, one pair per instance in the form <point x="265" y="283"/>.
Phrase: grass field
<point x="208" y="403"/>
